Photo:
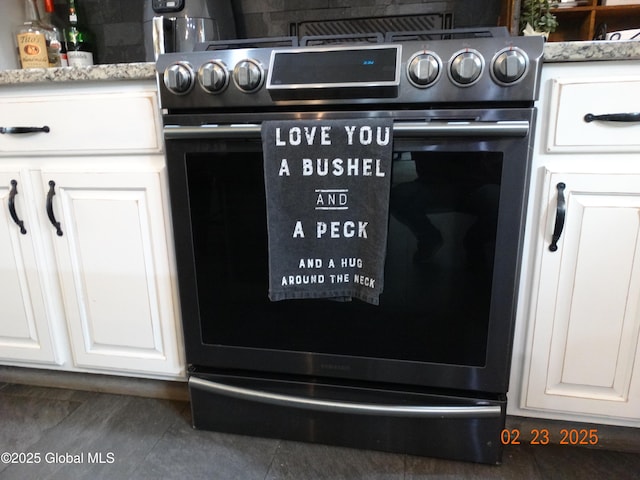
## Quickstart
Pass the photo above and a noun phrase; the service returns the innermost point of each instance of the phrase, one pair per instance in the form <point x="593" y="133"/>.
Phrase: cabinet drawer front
<point x="81" y="123"/>
<point x="572" y="99"/>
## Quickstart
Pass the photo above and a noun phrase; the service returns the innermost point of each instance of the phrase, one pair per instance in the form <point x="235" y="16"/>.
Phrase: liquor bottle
<point x="52" y="18"/>
<point x="80" y="43"/>
<point x="38" y="43"/>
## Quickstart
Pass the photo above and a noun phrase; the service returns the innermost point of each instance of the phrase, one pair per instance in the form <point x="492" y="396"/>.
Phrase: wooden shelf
<point x="579" y="23"/>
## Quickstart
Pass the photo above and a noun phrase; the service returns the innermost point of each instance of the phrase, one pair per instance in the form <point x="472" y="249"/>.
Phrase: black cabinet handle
<point x="12" y="207"/>
<point x="52" y="217"/>
<point x="17" y="130"/>
<point x="613" y="117"/>
<point x="561" y="211"/>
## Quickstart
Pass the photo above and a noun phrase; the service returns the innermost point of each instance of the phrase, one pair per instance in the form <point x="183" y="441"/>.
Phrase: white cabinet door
<point x="585" y="356"/>
<point x="113" y="265"/>
<point x="25" y="327"/>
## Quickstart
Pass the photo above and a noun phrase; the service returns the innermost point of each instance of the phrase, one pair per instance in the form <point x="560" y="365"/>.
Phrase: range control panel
<point x="443" y="71"/>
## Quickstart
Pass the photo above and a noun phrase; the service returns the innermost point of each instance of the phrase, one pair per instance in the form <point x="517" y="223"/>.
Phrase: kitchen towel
<point x="327" y="189"/>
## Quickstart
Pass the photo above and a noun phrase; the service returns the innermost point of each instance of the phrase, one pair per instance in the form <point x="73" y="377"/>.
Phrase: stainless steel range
<point x="425" y="371"/>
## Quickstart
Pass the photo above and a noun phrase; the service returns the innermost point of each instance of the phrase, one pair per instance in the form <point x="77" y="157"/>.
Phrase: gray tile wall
<point x="117" y="24"/>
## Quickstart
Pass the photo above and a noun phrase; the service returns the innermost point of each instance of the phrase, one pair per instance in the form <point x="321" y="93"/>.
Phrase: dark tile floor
<point x="144" y="438"/>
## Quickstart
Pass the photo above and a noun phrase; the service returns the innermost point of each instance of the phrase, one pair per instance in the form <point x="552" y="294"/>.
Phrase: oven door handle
<point x="421" y="411"/>
<point x="518" y="128"/>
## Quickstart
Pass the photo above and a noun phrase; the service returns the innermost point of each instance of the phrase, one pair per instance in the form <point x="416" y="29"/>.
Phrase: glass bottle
<point x="80" y="44"/>
<point x="38" y="44"/>
<point x="59" y="25"/>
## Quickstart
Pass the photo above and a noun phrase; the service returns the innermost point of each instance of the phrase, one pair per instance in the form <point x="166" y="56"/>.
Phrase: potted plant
<point x="536" y="18"/>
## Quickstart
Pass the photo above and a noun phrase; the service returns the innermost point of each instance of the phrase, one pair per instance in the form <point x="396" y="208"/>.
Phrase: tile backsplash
<point x="11" y="13"/>
<point x="117" y="24"/>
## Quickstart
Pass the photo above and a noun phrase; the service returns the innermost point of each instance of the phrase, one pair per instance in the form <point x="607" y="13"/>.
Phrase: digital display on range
<point x="337" y="67"/>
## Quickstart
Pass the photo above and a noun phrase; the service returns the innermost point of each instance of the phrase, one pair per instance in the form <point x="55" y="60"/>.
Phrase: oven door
<point x="445" y="319"/>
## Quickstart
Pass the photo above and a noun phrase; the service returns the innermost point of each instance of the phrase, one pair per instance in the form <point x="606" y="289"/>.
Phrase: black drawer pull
<point x="18" y="130"/>
<point x="613" y="117"/>
<point x="50" y="214"/>
<point x="561" y="211"/>
<point x="12" y="207"/>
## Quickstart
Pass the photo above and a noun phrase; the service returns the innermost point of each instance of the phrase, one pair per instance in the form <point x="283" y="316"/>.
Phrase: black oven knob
<point x="213" y="76"/>
<point x="179" y="78"/>
<point x="466" y="67"/>
<point x="424" y="69"/>
<point x="248" y="75"/>
<point x="509" y="65"/>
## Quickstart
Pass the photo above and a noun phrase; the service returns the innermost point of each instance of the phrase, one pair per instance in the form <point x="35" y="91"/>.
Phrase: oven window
<point x="441" y="242"/>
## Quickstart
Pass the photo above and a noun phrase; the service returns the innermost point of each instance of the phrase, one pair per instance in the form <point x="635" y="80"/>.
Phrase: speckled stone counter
<point x="591" y="51"/>
<point x="553" y="52"/>
<point x="120" y="71"/>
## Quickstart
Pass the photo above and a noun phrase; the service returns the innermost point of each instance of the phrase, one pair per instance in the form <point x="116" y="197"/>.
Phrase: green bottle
<point x="80" y="43"/>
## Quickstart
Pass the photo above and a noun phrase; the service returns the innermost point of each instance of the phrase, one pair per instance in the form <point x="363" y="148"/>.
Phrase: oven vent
<point x="454" y="33"/>
<point x="398" y="23"/>
<point x="231" y="44"/>
<point x="375" y="37"/>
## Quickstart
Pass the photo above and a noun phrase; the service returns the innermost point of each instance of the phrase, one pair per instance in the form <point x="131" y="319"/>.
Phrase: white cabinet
<point x="573" y="98"/>
<point x="25" y="323"/>
<point x="585" y="355"/>
<point x="81" y="121"/>
<point x="577" y="343"/>
<point x="112" y="264"/>
<point x="96" y="292"/>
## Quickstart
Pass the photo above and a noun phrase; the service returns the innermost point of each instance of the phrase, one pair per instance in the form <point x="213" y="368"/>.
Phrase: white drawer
<point x="81" y="123"/>
<point x="573" y="98"/>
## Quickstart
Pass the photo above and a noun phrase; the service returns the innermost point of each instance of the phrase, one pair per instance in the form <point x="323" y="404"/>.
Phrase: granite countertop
<point x="590" y="51"/>
<point x="118" y="71"/>
<point x="553" y="52"/>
